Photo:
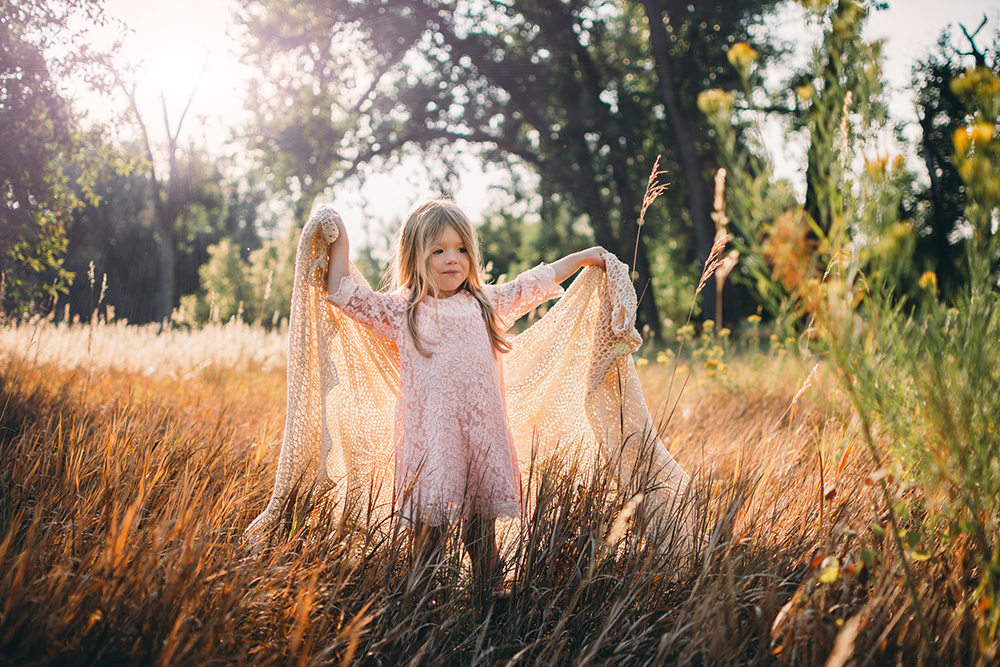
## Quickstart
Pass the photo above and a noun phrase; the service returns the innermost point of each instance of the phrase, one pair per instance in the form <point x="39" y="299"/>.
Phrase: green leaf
<point x="878" y="530"/>
<point x="969" y="527"/>
<point x="953" y="530"/>
<point x="830" y="570"/>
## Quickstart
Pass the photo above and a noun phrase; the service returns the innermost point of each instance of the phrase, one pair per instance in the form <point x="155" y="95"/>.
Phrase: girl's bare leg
<point x="427" y="544"/>
<point x="479" y="535"/>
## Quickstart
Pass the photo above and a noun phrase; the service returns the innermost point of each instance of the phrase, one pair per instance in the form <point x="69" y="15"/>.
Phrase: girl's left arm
<point x="570" y="264"/>
<point x="514" y="299"/>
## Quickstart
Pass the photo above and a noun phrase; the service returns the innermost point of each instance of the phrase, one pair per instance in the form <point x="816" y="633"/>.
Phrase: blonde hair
<point x="411" y="265"/>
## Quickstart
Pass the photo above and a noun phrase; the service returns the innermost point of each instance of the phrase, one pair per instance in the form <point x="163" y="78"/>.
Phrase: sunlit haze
<point x="172" y="43"/>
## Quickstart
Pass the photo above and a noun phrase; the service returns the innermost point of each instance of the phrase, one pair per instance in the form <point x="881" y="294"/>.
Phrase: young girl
<point x="454" y="454"/>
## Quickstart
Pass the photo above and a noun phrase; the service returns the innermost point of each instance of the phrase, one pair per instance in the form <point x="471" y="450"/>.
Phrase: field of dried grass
<point x="130" y="464"/>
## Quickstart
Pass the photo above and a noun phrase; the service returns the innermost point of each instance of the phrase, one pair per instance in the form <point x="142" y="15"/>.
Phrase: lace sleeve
<point x="514" y="299"/>
<point x="382" y="313"/>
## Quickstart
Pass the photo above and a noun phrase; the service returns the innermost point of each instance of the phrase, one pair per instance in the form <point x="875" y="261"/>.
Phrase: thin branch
<point x="188" y="105"/>
<point x="130" y="92"/>
<point x="976" y="53"/>
<point x="166" y="120"/>
<point x="371" y="89"/>
<point x="426" y="134"/>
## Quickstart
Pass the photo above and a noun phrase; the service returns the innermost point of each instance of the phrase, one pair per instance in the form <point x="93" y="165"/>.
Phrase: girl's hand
<point x="591" y="256"/>
<point x="341" y="229"/>
<point x="331" y="226"/>
<point x="570" y="264"/>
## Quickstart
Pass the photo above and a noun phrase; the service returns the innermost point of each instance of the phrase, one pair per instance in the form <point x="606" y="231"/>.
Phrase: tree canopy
<point x="942" y="112"/>
<point x="40" y="135"/>
<point x="586" y="93"/>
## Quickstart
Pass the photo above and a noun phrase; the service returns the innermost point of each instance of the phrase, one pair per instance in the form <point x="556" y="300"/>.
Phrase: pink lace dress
<point x="453" y="447"/>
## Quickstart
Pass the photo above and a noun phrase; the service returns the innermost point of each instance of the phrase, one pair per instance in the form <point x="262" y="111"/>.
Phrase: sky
<point x="172" y="43"/>
<point x="172" y="46"/>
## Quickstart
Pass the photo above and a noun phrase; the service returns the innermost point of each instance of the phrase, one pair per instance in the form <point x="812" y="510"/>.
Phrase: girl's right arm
<point x="383" y="313"/>
<point x="338" y="259"/>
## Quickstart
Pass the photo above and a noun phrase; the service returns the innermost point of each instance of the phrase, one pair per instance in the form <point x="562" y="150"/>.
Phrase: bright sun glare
<point x="175" y="72"/>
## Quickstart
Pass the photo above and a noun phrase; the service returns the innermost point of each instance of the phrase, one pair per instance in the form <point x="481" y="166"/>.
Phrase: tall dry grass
<point x="145" y="349"/>
<point x="124" y="492"/>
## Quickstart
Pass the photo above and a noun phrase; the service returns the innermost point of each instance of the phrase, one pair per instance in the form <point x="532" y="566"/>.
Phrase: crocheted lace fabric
<point x="453" y="450"/>
<point x="570" y="383"/>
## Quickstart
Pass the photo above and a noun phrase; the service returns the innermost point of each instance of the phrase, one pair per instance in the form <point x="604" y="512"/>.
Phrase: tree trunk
<point x="164" y="295"/>
<point x="165" y="211"/>
<point x="586" y="193"/>
<point x="167" y="215"/>
<point x="168" y="243"/>
<point x="699" y="196"/>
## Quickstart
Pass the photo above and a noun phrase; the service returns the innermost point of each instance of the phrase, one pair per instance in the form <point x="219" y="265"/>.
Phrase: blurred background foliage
<point x="50" y="159"/>
<point x="581" y="96"/>
<point x="895" y="282"/>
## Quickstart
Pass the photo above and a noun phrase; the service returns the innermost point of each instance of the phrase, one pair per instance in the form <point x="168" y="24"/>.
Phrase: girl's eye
<point x="437" y="252"/>
<point x="463" y="250"/>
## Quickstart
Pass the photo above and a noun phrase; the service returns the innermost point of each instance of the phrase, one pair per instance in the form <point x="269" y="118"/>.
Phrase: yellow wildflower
<point x="741" y="56"/>
<point x="877" y="167"/>
<point x="715" y="102"/>
<point x="621" y="349"/>
<point x="928" y="281"/>
<point x="982" y="133"/>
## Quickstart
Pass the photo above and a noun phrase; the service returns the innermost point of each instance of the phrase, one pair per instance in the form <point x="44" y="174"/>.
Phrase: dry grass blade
<point x="621" y="523"/>
<point x="123" y="495"/>
<point x="843" y="646"/>
<point x="714" y="259"/>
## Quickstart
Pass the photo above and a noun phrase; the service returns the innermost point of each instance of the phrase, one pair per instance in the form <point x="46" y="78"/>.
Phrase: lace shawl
<point x="576" y="360"/>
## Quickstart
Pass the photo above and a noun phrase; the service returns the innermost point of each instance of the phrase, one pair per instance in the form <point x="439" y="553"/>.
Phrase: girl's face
<point x="450" y="263"/>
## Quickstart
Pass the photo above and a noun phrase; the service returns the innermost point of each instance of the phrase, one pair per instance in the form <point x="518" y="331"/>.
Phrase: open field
<point x="130" y="464"/>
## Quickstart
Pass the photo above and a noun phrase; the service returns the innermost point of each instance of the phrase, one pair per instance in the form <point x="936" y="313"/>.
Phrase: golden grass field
<point x="132" y="462"/>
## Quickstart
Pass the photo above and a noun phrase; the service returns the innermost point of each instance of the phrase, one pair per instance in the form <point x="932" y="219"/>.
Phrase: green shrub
<point x="922" y="372"/>
<point x="253" y="290"/>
